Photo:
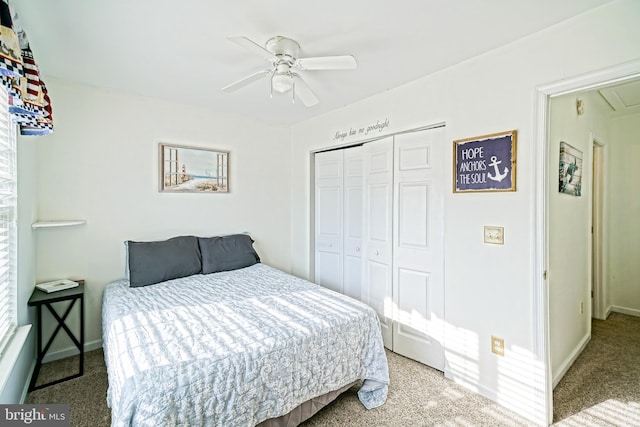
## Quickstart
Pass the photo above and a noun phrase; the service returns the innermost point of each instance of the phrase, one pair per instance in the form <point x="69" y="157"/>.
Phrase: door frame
<point x="599" y="234"/>
<point x="590" y="81"/>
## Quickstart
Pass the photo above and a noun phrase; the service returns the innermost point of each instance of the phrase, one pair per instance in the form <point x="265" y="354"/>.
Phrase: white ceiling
<point x="177" y="50"/>
<point x="623" y="98"/>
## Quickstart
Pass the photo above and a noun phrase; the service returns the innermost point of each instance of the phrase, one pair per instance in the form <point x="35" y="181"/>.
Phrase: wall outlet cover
<point x="497" y="345"/>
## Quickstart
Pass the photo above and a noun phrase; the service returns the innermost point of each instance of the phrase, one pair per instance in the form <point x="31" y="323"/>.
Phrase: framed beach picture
<point x="570" y="170"/>
<point x="193" y="170"/>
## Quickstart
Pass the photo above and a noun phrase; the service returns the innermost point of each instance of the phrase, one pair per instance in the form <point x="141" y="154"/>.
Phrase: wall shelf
<point x="49" y="224"/>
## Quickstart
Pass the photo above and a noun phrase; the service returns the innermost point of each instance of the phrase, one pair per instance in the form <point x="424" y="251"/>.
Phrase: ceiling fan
<point x="282" y="53"/>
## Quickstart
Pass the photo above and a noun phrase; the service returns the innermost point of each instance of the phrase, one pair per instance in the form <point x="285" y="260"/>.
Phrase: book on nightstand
<point x="56" y="285"/>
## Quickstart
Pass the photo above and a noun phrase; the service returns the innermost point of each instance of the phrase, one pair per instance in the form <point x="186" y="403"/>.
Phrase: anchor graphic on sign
<point x="498" y="176"/>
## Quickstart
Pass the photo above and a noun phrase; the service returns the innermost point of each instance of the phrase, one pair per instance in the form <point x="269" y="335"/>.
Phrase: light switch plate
<point x="494" y="235"/>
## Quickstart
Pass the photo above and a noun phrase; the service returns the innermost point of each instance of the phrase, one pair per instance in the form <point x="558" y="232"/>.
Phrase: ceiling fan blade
<point x="252" y="46"/>
<point x="345" y="62"/>
<point x="245" y="81"/>
<point x="304" y="92"/>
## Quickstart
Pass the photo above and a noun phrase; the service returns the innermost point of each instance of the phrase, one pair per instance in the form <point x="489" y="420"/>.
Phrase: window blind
<point x="8" y="231"/>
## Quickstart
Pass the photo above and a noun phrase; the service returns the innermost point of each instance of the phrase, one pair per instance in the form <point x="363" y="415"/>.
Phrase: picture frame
<point x="485" y="163"/>
<point x="185" y="169"/>
<point x="570" y="170"/>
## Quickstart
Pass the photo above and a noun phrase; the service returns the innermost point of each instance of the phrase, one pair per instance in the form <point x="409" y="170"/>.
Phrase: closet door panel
<point x="413" y="302"/>
<point x="377" y="232"/>
<point x="353" y="182"/>
<point x="418" y="285"/>
<point x="353" y="276"/>
<point x="329" y="252"/>
<point x="353" y="242"/>
<point x="329" y="212"/>
<point x="328" y="270"/>
<point x="353" y="221"/>
<point x="378" y="295"/>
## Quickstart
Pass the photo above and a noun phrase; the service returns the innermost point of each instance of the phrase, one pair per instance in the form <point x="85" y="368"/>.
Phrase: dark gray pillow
<point x="154" y="262"/>
<point x="224" y="253"/>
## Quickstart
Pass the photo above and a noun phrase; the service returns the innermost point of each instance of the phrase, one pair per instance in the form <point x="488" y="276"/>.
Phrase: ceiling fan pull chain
<point x="271" y="85"/>
<point x="293" y="91"/>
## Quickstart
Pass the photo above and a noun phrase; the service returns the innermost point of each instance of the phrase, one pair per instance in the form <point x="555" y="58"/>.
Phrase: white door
<point x="353" y="181"/>
<point x="328" y="219"/>
<point x="418" y="244"/>
<point x="377" y="232"/>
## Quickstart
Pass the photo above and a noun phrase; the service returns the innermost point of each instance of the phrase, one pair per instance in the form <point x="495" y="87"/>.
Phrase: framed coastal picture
<point x="570" y="170"/>
<point x="485" y="163"/>
<point x="193" y="169"/>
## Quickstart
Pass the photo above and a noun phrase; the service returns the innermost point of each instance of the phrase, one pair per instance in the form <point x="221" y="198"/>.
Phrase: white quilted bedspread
<point x="234" y="348"/>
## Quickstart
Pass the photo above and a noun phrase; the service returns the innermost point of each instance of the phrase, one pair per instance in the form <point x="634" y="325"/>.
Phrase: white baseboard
<point x="71" y="351"/>
<point x="608" y="312"/>
<point x="562" y="370"/>
<point x="25" y="390"/>
<point x="475" y="387"/>
<point x="624" y="310"/>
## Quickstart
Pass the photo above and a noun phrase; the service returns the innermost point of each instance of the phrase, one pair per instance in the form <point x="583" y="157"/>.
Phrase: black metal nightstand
<point x="40" y="298"/>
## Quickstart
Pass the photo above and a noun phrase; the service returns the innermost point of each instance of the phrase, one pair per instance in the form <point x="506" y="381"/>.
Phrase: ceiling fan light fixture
<point x="282" y="82"/>
<point x="284" y="55"/>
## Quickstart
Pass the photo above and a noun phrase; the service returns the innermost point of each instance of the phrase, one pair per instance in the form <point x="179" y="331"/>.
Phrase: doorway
<point x="545" y="168"/>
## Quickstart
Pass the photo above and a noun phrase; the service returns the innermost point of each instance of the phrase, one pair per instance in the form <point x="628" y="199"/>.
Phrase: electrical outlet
<point x="497" y="345"/>
<point x="494" y="235"/>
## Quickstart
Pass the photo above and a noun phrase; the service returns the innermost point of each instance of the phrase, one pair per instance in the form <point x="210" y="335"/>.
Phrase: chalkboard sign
<point x="485" y="163"/>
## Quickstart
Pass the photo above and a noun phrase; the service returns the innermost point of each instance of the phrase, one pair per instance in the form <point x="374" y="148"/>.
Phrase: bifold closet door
<point x="379" y="236"/>
<point x="377" y="232"/>
<point x="418" y="244"/>
<point x="329" y="253"/>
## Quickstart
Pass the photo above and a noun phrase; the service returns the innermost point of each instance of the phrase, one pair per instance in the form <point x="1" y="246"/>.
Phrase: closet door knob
<point x="330" y="245"/>
<point x="357" y="249"/>
<point x="377" y="252"/>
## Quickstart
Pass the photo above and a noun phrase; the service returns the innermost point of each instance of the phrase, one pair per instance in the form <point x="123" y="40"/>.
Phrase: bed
<point x="239" y="346"/>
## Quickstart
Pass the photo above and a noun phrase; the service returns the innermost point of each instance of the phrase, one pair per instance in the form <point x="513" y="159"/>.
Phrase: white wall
<point x="570" y="219"/>
<point x="624" y="226"/>
<point x="101" y="165"/>
<point x="489" y="289"/>
<point x="27" y="212"/>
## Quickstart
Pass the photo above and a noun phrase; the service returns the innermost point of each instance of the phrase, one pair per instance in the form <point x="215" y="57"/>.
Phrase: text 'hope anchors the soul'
<point x="484" y="164"/>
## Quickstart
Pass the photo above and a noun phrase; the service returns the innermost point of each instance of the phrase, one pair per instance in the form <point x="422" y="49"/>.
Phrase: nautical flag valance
<point x="29" y="102"/>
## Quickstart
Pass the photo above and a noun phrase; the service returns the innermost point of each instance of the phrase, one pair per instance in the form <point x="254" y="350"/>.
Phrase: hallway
<point x="602" y="387"/>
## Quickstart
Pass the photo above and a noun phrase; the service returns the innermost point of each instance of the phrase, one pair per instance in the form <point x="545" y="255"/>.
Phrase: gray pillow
<point x="154" y="262"/>
<point x="224" y="253"/>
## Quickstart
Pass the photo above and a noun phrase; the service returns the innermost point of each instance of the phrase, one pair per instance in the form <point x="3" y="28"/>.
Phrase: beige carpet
<point x="85" y="395"/>
<point x="418" y="396"/>
<point x="601" y="389"/>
